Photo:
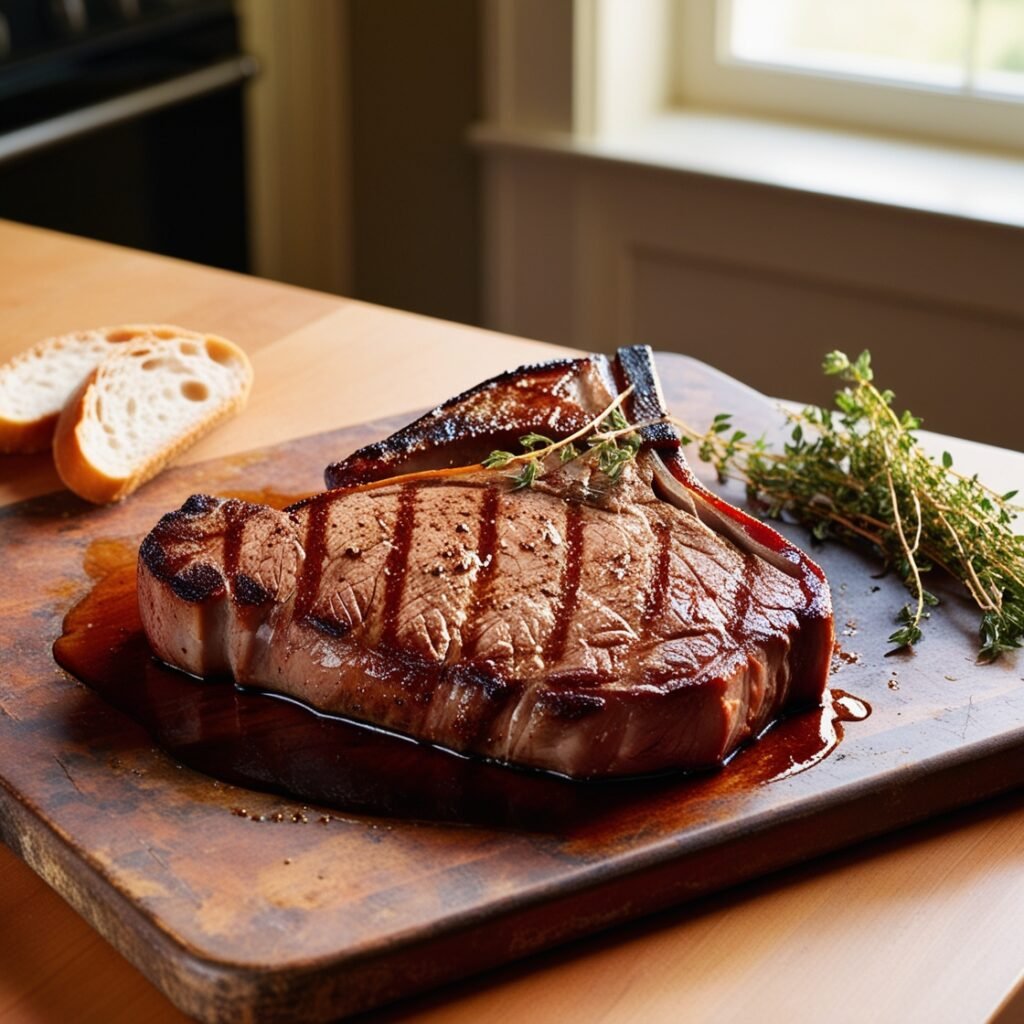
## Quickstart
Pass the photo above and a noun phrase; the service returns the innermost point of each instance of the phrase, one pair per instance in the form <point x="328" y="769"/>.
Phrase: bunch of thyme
<point x="857" y="472"/>
<point x="609" y="439"/>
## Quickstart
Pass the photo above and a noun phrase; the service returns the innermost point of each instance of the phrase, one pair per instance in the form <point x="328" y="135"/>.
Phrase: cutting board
<point x="291" y="913"/>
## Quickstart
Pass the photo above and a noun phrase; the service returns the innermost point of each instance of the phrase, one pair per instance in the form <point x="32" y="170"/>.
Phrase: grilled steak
<point x="579" y="627"/>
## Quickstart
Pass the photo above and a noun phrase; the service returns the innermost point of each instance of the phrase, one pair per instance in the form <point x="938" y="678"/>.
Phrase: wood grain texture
<point x="890" y="921"/>
<point x="320" y="361"/>
<point x="287" y="921"/>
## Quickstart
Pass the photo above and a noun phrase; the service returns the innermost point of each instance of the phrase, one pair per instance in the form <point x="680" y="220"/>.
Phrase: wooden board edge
<point x="325" y="989"/>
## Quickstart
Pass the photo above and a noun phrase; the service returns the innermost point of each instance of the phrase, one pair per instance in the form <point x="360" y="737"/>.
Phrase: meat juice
<point x="270" y="743"/>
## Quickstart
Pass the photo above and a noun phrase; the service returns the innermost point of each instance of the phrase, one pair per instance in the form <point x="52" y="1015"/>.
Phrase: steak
<point x="583" y="626"/>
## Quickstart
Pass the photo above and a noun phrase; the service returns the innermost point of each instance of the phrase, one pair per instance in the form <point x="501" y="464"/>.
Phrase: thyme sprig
<point x="858" y="472"/>
<point x="608" y="438"/>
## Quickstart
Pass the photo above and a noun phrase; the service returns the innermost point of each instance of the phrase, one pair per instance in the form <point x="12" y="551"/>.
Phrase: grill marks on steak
<point x="586" y="639"/>
<point x="586" y="629"/>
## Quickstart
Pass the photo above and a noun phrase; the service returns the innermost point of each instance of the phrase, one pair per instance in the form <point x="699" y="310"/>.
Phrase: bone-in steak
<point x="581" y="627"/>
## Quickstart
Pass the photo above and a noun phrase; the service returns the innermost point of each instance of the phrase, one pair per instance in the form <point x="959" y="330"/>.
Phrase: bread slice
<point x="145" y="404"/>
<point x="35" y="385"/>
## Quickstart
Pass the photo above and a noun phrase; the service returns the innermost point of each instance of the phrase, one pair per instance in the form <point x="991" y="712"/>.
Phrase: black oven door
<point x="134" y="137"/>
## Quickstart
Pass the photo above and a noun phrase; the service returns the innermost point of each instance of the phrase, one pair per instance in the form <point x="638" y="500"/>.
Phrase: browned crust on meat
<point x="353" y="629"/>
<point x="523" y="401"/>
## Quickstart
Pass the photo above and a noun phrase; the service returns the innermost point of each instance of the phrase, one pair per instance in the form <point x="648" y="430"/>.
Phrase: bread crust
<point x="77" y="469"/>
<point x="27" y="437"/>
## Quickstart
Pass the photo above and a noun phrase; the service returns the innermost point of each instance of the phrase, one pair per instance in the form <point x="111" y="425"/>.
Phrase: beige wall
<point x="361" y="178"/>
<point x="365" y="185"/>
<point x="761" y="283"/>
<point x="415" y="92"/>
<point x="299" y="159"/>
<point x="589" y="244"/>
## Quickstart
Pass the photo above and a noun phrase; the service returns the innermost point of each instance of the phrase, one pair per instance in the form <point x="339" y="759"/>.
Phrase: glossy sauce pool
<point x="270" y="743"/>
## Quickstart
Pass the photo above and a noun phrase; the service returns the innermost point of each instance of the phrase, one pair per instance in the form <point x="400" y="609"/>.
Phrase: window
<point x="975" y="47"/>
<point x="952" y="69"/>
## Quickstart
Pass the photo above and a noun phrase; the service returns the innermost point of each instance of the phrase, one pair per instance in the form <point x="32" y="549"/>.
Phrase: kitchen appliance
<point x="122" y="120"/>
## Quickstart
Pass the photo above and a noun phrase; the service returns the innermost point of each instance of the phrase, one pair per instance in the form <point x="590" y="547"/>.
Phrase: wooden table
<point x="925" y="925"/>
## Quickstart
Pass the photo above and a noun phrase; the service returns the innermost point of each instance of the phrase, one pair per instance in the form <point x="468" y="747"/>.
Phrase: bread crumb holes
<point x="219" y="352"/>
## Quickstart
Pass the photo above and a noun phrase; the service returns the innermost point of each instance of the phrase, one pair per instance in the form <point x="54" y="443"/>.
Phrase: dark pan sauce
<point x="264" y="742"/>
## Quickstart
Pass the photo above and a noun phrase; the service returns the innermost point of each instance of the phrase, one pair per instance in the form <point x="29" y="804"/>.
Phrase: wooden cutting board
<point x="267" y="917"/>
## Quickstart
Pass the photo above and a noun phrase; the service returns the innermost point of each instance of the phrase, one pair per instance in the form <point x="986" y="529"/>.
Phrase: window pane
<point x="920" y="41"/>
<point x="999" y="57"/>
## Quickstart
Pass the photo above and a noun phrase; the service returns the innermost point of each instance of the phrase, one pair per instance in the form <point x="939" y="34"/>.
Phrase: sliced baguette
<point x="35" y="385"/>
<point x="143" y="406"/>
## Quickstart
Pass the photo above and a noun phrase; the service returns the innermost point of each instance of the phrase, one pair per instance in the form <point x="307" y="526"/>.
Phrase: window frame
<point x="702" y="78"/>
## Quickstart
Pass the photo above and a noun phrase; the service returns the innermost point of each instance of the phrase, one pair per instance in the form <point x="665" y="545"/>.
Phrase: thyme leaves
<point x="608" y="438"/>
<point x="857" y="472"/>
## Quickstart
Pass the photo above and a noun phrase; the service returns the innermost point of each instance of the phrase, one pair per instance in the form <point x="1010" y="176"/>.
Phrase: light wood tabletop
<point x="924" y="925"/>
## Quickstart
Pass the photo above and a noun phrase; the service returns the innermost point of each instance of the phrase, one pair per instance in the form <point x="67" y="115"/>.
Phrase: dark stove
<point x="122" y="120"/>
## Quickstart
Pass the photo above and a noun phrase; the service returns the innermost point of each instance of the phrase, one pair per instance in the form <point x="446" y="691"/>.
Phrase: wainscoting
<point x="760" y="281"/>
